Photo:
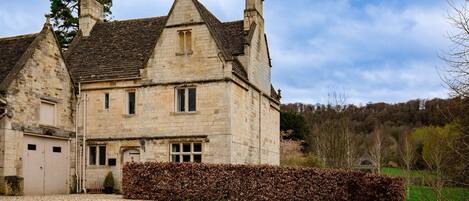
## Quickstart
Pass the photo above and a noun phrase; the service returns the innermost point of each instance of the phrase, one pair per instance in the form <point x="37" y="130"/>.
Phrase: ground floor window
<point x="186" y="152"/>
<point x="97" y="155"/>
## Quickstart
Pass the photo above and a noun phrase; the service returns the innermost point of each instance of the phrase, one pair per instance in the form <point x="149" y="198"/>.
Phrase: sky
<point x="367" y="50"/>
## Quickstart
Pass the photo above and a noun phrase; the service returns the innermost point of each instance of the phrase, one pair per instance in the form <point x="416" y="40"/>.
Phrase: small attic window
<point x="185" y="42"/>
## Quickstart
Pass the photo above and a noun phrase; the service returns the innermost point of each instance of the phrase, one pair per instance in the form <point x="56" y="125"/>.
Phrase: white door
<point x="45" y="168"/>
<point x="131" y="156"/>
<point x="33" y="166"/>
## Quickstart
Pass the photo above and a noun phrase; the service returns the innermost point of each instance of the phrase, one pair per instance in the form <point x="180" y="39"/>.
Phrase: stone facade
<point x="236" y="120"/>
<point x="43" y="76"/>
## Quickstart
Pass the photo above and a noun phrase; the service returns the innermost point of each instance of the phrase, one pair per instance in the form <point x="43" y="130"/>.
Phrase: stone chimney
<point x="91" y="12"/>
<point x="254" y="12"/>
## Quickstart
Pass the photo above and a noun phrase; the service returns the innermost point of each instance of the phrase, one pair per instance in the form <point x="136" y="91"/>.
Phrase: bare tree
<point x="376" y="148"/>
<point x="333" y="140"/>
<point x="457" y="80"/>
<point x="408" y="156"/>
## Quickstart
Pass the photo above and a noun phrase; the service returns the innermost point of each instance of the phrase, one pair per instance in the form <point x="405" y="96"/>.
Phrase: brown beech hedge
<point x="169" y="181"/>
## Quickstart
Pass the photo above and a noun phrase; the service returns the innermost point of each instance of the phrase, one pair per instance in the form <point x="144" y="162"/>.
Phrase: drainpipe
<point x="260" y="127"/>
<point x="77" y="149"/>
<point x="85" y="108"/>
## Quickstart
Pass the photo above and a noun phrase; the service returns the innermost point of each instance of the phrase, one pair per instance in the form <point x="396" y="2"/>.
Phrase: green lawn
<point x="423" y="193"/>
<point x="397" y="172"/>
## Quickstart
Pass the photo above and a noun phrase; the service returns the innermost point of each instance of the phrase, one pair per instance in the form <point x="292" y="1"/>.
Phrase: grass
<point x="397" y="172"/>
<point x="423" y="193"/>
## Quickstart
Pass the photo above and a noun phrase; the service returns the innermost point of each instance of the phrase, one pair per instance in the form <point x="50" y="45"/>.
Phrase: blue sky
<point x="369" y="50"/>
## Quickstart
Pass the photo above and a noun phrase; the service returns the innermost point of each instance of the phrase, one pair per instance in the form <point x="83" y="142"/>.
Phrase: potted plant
<point x="109" y="184"/>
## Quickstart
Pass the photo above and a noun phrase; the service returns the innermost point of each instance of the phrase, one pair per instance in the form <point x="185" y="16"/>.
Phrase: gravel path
<point x="89" y="197"/>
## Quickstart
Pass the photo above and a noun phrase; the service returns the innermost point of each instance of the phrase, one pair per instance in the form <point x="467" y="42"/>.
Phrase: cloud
<point x="370" y="50"/>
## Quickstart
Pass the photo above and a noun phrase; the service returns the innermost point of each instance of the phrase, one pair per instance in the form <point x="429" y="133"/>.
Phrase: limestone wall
<point x="156" y="112"/>
<point x="44" y="76"/>
<point x="216" y="149"/>
<point x="256" y="123"/>
<point x="256" y="60"/>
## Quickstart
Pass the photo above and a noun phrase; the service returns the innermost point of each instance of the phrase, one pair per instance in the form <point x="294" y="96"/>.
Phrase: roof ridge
<point x="19" y="36"/>
<point x="235" y="21"/>
<point x="136" y="19"/>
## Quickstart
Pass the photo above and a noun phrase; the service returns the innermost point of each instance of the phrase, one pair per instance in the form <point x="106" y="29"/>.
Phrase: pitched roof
<point x="114" y="50"/>
<point x="119" y="49"/>
<point x="11" y="51"/>
<point x="229" y="36"/>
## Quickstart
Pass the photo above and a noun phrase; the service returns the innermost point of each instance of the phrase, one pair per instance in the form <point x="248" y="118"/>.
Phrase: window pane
<point x="47" y="114"/>
<point x="192" y="100"/>
<point x="106" y="101"/>
<point x="186" y="158"/>
<point x="176" y="148"/>
<point x="186" y="148"/>
<point x="197" y="147"/>
<point x="92" y="156"/>
<point x="32" y="147"/>
<point x="181" y="97"/>
<point x="102" y="155"/>
<point x="131" y="105"/>
<point x="188" y="42"/>
<point x="112" y="162"/>
<point x="197" y="158"/>
<point x="175" y="159"/>
<point x="181" y="42"/>
<point x="57" y="149"/>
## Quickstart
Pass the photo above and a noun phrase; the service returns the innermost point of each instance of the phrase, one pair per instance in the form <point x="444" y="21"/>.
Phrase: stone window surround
<point x="186" y="99"/>
<point x="53" y="102"/>
<point x="97" y="157"/>
<point x="126" y="103"/>
<point x="106" y="101"/>
<point x="181" y="153"/>
<point x="183" y="50"/>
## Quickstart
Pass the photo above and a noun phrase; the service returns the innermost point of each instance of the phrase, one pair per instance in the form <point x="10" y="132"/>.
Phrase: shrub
<point x="109" y="181"/>
<point x="169" y="181"/>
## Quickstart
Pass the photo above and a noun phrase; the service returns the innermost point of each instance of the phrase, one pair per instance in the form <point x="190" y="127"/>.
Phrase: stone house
<point x="37" y="123"/>
<point x="184" y="87"/>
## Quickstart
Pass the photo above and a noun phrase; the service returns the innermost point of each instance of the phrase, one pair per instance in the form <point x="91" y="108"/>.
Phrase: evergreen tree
<point x="64" y="16"/>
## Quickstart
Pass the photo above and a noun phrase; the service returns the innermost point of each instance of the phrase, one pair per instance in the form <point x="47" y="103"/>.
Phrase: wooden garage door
<point x="45" y="165"/>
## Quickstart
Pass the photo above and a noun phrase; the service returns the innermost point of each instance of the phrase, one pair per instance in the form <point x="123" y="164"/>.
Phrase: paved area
<point x="89" y="197"/>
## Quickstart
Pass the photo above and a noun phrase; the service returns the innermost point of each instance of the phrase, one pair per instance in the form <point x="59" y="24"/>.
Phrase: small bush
<point x="109" y="181"/>
<point x="169" y="181"/>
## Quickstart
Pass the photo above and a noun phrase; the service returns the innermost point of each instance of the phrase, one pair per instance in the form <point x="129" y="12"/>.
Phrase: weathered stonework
<point x="44" y="76"/>
<point x="240" y="119"/>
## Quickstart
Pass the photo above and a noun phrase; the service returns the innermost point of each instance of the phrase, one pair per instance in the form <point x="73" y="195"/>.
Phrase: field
<point x="423" y="193"/>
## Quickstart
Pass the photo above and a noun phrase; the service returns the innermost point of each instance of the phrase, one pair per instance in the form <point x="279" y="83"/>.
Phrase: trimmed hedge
<point x="170" y="181"/>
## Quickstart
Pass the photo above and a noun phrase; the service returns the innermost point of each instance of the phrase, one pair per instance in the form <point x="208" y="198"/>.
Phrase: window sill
<point x="184" y="54"/>
<point x="129" y="115"/>
<point x="48" y="126"/>
<point x="184" y="113"/>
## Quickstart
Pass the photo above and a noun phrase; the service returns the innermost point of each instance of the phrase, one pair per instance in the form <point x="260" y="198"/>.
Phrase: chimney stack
<point x="91" y="12"/>
<point x="254" y="14"/>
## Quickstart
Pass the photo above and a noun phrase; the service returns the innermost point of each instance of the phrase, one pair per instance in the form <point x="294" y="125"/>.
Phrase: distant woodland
<point x="415" y="134"/>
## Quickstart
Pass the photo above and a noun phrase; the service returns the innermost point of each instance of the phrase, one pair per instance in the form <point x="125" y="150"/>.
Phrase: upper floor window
<point x="106" y="101"/>
<point x="185" y="42"/>
<point x="131" y="102"/>
<point x="48" y="113"/>
<point x="186" y="100"/>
